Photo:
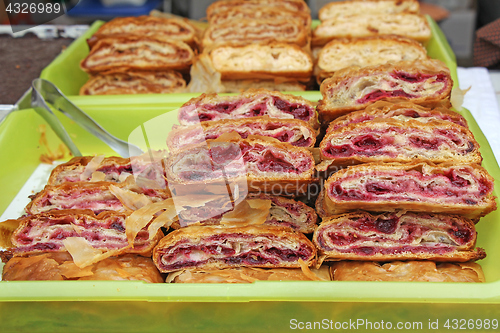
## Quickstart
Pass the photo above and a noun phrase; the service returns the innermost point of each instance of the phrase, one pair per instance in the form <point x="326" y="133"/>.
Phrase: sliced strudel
<point x="397" y="236"/>
<point x="134" y="82"/>
<point x="145" y="53"/>
<point x="408" y="25"/>
<point x="95" y="196"/>
<point x="171" y="28"/>
<point x="251" y="103"/>
<point x="210" y="247"/>
<point x="426" y="83"/>
<point x="366" y="51"/>
<point x="339" y="9"/>
<point x="426" y="271"/>
<point x="400" y="140"/>
<point x="46" y="232"/>
<point x="463" y="189"/>
<point x="220" y="7"/>
<point x="296" y="132"/>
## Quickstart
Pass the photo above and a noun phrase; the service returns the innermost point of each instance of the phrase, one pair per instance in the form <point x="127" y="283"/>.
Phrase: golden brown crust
<point x="172" y="28"/>
<point x="262" y="61"/>
<point x="138" y="53"/>
<point x="427" y="271"/>
<point x="225" y="5"/>
<point x="249" y="100"/>
<point x="297" y="130"/>
<point x="356" y="7"/>
<point x="366" y="51"/>
<point x="403" y="141"/>
<point x="96" y="196"/>
<point x="103" y="231"/>
<point x="243" y="246"/>
<point x="261" y="12"/>
<point x="134" y="82"/>
<point x="360" y="235"/>
<point x="60" y="266"/>
<point x="356" y="88"/>
<point x="251" y="31"/>
<point x="474" y="186"/>
<point x="405" y="110"/>
<point x="408" y="25"/>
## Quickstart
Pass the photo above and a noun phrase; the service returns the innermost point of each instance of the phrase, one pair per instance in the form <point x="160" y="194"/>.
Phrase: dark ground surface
<point x="21" y="60"/>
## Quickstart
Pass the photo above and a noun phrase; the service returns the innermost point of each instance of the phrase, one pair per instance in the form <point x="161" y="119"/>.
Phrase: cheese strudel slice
<point x="296" y="132"/>
<point x="248" y="31"/>
<point x="134" y="82"/>
<point x="242" y="12"/>
<point x="111" y="169"/>
<point x="212" y="247"/>
<point x="261" y="61"/>
<point x="397" y="236"/>
<point x="463" y="189"/>
<point x="357" y="7"/>
<point x="251" y="103"/>
<point x="427" y="83"/>
<point x="47" y="231"/>
<point x="397" y="140"/>
<point x="221" y="7"/>
<point x="60" y="266"/>
<point x="262" y="164"/>
<point x="171" y="28"/>
<point x="284" y="212"/>
<point x="426" y="271"/>
<point x="408" y="25"/>
<point x="145" y="53"/>
<point x="249" y="275"/>
<point x="401" y="111"/>
<point x="95" y="196"/>
<point x="366" y="51"/>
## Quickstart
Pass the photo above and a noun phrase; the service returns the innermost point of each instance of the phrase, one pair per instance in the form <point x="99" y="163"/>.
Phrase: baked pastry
<point x="96" y="196"/>
<point x="284" y="212"/>
<point x="340" y="9"/>
<point x="220" y="7"/>
<point x="400" y="140"/>
<point x="60" y="266"/>
<point x="251" y="103"/>
<point x="212" y="247"/>
<point x="366" y="51"/>
<point x="426" y="83"/>
<point x="134" y="82"/>
<point x="245" y="12"/>
<point x="46" y="232"/>
<point x="408" y="25"/>
<point x="462" y="189"/>
<point x="262" y="61"/>
<point x="111" y="169"/>
<point x="296" y="132"/>
<point x="402" y="111"/>
<point x="145" y="53"/>
<point x="249" y="275"/>
<point x="397" y="236"/>
<point x="248" y="31"/>
<point x="171" y="28"/>
<point x="427" y="271"/>
<point x="262" y="164"/>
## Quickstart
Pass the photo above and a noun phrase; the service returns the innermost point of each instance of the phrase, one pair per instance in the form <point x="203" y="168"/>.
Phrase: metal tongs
<point x="45" y="93"/>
